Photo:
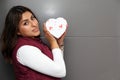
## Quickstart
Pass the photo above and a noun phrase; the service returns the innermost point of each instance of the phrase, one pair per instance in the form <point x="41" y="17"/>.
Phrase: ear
<point x="18" y="33"/>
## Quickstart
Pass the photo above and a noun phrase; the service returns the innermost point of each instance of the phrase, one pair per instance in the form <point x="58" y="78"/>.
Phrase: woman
<point x="21" y="45"/>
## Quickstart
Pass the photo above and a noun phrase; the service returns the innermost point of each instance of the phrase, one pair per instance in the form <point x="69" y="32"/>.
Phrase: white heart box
<point x="56" y="27"/>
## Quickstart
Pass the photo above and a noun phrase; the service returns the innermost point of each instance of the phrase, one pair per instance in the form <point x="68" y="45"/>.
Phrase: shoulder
<point x="28" y="48"/>
<point x="23" y="41"/>
<point x="26" y="41"/>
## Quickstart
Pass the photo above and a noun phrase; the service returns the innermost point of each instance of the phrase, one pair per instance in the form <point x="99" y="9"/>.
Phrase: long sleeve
<point x="33" y="58"/>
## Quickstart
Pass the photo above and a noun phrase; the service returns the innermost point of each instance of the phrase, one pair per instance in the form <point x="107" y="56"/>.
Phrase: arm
<point x="33" y="58"/>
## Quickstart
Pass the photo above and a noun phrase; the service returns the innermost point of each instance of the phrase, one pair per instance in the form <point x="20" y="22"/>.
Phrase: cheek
<point x="24" y="29"/>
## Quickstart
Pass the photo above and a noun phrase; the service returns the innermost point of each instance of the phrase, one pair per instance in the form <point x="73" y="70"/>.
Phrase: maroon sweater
<point x="24" y="73"/>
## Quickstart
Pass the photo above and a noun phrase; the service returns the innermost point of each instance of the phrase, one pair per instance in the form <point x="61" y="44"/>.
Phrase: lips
<point x="35" y="30"/>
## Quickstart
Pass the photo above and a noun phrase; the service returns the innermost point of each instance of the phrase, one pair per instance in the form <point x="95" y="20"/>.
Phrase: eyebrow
<point x="24" y="20"/>
<point x="27" y="19"/>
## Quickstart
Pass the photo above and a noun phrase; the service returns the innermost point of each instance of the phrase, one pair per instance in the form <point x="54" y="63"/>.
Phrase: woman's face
<point x="28" y="25"/>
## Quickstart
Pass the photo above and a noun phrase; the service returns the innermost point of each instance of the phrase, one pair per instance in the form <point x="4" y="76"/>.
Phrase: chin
<point x="37" y="34"/>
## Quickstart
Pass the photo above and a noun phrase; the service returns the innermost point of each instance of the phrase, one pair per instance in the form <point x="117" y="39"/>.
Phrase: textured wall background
<point x="92" y="44"/>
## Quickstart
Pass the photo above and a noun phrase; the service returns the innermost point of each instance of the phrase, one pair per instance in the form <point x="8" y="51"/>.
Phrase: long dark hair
<point x="9" y="35"/>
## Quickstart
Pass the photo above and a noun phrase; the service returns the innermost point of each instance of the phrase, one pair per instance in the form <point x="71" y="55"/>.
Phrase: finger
<point x="64" y="34"/>
<point x="44" y="27"/>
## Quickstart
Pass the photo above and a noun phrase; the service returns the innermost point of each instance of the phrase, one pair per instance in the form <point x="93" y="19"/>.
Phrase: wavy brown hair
<point x="9" y="35"/>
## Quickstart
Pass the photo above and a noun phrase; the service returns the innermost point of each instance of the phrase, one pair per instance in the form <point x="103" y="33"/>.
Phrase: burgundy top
<point x="24" y="73"/>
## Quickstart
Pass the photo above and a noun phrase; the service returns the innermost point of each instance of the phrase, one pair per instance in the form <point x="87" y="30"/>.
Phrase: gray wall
<point x="92" y="44"/>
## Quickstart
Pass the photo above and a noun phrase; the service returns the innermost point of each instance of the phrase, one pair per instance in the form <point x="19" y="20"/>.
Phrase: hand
<point x="50" y="37"/>
<point x="61" y="39"/>
<point x="48" y="34"/>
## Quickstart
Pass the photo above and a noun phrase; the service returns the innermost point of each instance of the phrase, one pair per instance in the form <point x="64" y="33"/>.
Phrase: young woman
<point x="22" y="46"/>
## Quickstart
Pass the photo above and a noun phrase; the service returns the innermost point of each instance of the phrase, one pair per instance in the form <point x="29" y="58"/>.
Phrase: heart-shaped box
<point x="57" y="26"/>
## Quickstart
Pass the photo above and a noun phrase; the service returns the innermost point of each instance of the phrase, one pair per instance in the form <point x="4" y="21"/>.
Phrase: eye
<point x="25" y="23"/>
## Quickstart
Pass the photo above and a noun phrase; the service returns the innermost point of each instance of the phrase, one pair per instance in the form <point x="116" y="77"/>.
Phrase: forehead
<point x="26" y="15"/>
